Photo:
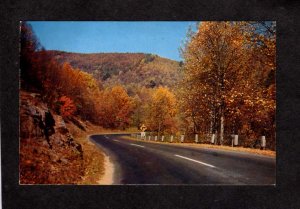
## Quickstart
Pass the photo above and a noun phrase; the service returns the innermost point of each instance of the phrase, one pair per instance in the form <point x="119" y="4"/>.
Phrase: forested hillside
<point x="132" y="70"/>
<point x="57" y="104"/>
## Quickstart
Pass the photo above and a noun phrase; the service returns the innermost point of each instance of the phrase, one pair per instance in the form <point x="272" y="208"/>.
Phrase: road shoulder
<point x="267" y="153"/>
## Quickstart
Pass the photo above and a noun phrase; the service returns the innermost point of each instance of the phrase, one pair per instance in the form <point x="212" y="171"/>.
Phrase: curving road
<point x="138" y="162"/>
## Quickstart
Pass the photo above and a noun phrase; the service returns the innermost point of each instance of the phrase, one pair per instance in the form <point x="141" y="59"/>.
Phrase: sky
<point x="163" y="38"/>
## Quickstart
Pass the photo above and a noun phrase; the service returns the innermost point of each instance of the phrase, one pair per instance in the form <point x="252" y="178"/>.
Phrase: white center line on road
<point x="136" y="145"/>
<point x="196" y="161"/>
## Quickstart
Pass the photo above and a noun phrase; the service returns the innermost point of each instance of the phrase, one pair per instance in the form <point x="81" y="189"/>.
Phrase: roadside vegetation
<point x="229" y="81"/>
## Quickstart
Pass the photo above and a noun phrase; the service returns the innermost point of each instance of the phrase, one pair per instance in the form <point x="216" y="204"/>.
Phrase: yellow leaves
<point x="162" y="110"/>
<point x="115" y="108"/>
<point x="228" y="68"/>
<point x="164" y="100"/>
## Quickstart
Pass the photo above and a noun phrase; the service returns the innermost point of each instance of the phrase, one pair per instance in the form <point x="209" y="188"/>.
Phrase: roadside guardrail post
<point x="143" y="135"/>
<point x="196" y="138"/>
<point x="236" y="140"/>
<point x="162" y="138"/>
<point x="155" y="138"/>
<point x="263" y="142"/>
<point x="182" y="138"/>
<point x="171" y="138"/>
<point x="213" y="138"/>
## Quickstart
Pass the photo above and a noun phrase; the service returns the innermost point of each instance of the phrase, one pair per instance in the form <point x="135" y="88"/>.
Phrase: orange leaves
<point x="80" y="87"/>
<point x="115" y="108"/>
<point x="230" y="70"/>
<point x="122" y="105"/>
<point x="67" y="107"/>
<point x="77" y="91"/>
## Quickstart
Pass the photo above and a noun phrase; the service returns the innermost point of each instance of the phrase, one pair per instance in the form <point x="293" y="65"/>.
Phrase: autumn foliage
<point x="67" y="107"/>
<point x="115" y="108"/>
<point x="162" y="111"/>
<point x="229" y="80"/>
<point x="131" y="70"/>
<point x="225" y="84"/>
<point x="69" y="91"/>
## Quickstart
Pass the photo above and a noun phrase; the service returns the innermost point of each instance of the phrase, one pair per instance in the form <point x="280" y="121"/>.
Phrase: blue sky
<point x="161" y="38"/>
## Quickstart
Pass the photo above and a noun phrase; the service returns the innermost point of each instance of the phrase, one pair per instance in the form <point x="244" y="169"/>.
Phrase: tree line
<point x="70" y="92"/>
<point x="227" y="87"/>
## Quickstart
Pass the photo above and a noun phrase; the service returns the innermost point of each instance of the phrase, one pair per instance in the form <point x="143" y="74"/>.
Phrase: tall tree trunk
<point x="159" y="124"/>
<point x="195" y="124"/>
<point x="222" y="128"/>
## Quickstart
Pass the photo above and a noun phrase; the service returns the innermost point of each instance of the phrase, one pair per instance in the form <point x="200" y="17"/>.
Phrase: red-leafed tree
<point x="67" y="107"/>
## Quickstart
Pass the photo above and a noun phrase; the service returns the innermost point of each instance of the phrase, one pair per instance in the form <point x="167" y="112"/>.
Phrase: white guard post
<point x="236" y="140"/>
<point x="263" y="142"/>
<point x="182" y="138"/>
<point x="143" y="134"/>
<point x="213" y="138"/>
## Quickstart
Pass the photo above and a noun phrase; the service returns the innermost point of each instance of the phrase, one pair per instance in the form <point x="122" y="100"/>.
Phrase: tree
<point x="213" y="58"/>
<point x="29" y="46"/>
<point x="162" y="111"/>
<point x="137" y="116"/>
<point x="67" y="107"/>
<point x="115" y="108"/>
<point x="122" y="106"/>
<point x="228" y="74"/>
<point x="142" y="99"/>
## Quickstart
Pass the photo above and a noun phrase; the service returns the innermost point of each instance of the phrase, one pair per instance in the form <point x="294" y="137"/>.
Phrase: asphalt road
<point x="138" y="162"/>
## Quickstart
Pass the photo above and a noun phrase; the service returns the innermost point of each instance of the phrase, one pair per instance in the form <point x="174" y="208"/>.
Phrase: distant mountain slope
<point x="129" y="69"/>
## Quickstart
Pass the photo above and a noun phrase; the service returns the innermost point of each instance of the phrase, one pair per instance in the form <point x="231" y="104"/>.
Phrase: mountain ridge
<point x="132" y="70"/>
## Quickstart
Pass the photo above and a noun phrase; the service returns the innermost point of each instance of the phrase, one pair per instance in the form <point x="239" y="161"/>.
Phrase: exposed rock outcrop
<point x="48" y="152"/>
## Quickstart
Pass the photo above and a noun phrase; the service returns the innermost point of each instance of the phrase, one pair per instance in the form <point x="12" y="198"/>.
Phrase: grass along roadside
<point x="98" y="168"/>
<point x="93" y="157"/>
<point x="94" y="162"/>
<point x="269" y="153"/>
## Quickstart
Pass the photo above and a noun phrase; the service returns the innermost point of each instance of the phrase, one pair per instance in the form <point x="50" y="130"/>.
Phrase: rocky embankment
<point x="48" y="152"/>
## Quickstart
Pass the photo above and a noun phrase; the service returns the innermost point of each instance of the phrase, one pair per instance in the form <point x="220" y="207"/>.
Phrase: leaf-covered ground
<point x="66" y="158"/>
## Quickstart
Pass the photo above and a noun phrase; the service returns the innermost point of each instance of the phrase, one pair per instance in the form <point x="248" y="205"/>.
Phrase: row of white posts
<point x="234" y="139"/>
<point x="142" y="136"/>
